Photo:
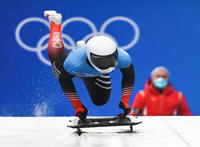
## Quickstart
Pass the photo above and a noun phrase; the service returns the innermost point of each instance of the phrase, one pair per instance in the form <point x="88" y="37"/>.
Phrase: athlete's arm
<point x="69" y="90"/>
<point x="128" y="78"/>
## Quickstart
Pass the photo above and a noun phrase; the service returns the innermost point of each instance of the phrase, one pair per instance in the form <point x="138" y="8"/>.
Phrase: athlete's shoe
<point x="53" y="16"/>
<point x="47" y="13"/>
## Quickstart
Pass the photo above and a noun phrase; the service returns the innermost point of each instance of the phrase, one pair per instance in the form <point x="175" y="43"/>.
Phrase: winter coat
<point x="153" y="102"/>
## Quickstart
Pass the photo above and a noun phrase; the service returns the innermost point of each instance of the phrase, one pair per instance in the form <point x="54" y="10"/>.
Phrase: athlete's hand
<point x="125" y="106"/>
<point x="81" y="112"/>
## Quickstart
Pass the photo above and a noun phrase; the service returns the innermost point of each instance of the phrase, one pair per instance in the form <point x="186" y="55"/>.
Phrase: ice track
<point x="53" y="132"/>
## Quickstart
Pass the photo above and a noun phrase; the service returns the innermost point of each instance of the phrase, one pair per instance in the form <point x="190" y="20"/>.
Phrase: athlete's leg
<point x="55" y="45"/>
<point x="99" y="89"/>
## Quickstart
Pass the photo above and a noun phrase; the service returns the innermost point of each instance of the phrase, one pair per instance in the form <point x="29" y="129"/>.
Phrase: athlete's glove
<point x="125" y="106"/>
<point x="81" y="112"/>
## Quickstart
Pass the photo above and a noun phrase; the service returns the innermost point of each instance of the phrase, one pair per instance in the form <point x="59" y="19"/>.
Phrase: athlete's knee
<point x="99" y="101"/>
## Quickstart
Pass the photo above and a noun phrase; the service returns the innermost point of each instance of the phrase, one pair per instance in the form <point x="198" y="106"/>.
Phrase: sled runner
<point x="103" y="122"/>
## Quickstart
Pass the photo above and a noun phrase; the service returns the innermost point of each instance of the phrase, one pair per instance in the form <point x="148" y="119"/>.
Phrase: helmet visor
<point x="104" y="62"/>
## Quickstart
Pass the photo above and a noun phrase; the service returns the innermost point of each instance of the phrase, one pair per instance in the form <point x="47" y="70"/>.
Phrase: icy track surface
<point x="53" y="132"/>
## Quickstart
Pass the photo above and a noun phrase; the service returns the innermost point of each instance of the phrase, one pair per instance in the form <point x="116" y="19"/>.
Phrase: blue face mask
<point x="160" y="83"/>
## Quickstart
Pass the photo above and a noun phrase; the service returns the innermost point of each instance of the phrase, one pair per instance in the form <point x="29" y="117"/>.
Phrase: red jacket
<point x="169" y="102"/>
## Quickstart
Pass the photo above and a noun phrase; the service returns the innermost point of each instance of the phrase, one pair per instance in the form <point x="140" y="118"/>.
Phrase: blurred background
<point x="153" y="32"/>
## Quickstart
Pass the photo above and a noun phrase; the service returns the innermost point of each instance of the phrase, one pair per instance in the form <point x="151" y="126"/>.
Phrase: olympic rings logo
<point x="40" y="47"/>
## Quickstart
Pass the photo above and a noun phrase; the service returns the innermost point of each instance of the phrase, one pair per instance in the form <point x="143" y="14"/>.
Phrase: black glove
<point x="126" y="109"/>
<point x="82" y="113"/>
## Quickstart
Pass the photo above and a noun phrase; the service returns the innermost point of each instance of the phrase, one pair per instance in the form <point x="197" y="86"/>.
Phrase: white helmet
<point x="102" y="53"/>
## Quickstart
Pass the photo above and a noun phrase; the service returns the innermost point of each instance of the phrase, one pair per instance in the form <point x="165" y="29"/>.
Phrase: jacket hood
<point x="150" y="87"/>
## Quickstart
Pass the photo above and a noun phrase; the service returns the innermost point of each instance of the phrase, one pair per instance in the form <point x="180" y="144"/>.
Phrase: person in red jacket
<point x="159" y="97"/>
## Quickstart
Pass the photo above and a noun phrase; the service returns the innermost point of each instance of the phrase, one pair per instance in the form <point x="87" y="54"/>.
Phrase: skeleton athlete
<point x="92" y="62"/>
